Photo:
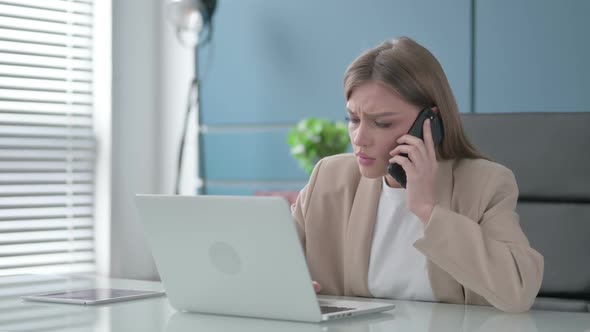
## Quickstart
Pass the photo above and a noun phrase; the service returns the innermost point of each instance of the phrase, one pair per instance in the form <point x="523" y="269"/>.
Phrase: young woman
<point x="451" y="235"/>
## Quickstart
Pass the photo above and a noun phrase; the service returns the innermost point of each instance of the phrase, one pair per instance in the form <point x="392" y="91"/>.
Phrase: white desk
<point x="155" y="314"/>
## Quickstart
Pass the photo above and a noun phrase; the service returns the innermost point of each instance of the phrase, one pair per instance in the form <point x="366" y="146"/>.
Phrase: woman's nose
<point x="360" y="137"/>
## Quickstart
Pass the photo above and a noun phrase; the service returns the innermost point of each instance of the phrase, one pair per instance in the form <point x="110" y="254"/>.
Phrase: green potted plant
<point x="313" y="139"/>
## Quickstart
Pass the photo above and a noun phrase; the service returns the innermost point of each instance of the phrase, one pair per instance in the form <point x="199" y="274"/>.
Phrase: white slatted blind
<point x="47" y="149"/>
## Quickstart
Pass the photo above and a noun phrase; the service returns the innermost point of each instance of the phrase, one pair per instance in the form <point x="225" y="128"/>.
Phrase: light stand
<point x="190" y="18"/>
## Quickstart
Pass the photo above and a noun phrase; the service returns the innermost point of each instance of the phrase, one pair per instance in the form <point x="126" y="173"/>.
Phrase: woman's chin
<point x="371" y="172"/>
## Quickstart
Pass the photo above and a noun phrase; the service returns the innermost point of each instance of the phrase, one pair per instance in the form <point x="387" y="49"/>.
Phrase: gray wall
<point x="135" y="150"/>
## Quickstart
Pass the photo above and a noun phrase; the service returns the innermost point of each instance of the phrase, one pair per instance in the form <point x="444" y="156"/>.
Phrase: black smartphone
<point x="395" y="170"/>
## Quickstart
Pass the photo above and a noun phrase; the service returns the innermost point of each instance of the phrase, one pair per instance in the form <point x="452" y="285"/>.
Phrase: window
<point x="47" y="145"/>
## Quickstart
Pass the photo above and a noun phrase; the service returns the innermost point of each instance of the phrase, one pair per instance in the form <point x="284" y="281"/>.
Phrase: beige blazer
<point x="475" y="248"/>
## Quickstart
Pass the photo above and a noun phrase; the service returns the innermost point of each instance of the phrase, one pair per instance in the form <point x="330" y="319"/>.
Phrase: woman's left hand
<point x="421" y="167"/>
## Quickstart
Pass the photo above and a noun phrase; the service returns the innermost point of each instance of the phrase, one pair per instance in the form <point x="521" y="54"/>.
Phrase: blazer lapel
<point x="444" y="287"/>
<point x="359" y="236"/>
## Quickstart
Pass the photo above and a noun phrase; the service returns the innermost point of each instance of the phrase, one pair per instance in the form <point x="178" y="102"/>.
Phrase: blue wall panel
<point x="277" y="61"/>
<point x="532" y="55"/>
<point x="274" y="62"/>
<point x="250" y="155"/>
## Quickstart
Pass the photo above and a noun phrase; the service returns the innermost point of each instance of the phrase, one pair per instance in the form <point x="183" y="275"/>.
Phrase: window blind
<point x="47" y="146"/>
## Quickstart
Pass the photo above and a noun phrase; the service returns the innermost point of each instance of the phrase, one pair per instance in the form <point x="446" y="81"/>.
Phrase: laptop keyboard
<point x="329" y="309"/>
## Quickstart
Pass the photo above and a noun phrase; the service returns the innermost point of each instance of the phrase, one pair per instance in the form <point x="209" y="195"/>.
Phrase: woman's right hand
<point x="317" y="287"/>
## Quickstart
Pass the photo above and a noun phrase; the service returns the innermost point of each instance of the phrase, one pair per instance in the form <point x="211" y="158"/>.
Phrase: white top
<point x="397" y="270"/>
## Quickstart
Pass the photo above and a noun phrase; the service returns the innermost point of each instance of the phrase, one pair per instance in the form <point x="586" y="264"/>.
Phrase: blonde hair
<point x="413" y="72"/>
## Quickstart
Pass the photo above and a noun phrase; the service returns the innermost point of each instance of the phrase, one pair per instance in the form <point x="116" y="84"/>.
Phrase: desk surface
<point x="156" y="314"/>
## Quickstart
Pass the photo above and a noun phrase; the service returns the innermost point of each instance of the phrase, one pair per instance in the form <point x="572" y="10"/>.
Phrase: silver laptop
<point x="236" y="255"/>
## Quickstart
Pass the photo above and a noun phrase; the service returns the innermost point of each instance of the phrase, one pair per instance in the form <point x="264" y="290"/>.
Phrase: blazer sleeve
<point x="492" y="256"/>
<point x="299" y="209"/>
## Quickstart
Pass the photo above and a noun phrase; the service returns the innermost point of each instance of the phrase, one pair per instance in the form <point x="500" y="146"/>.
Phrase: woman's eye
<point x="352" y="120"/>
<point x="382" y="124"/>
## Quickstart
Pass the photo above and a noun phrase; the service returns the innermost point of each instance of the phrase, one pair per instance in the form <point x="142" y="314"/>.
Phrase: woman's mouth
<point x="364" y="159"/>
